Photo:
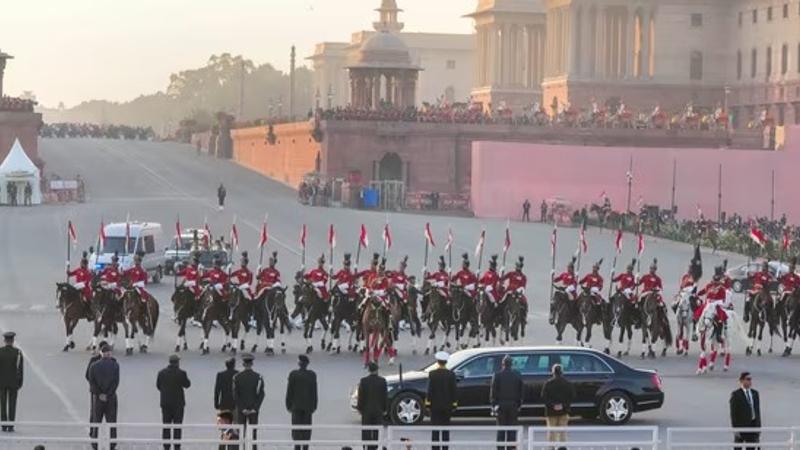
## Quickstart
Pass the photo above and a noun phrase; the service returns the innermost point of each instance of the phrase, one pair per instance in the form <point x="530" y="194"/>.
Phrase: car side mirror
<point x="459" y="374"/>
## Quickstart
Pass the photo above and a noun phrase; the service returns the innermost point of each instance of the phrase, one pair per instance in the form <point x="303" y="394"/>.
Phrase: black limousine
<point x="606" y="388"/>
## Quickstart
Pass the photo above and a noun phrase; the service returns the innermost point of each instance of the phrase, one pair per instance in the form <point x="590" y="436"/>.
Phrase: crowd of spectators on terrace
<point x="16" y="104"/>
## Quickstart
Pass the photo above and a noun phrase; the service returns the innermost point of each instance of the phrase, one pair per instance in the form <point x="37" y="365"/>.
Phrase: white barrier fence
<point x="128" y="436"/>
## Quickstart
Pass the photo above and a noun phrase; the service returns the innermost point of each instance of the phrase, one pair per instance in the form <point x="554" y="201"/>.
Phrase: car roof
<point x="118" y="229"/>
<point x="539" y="348"/>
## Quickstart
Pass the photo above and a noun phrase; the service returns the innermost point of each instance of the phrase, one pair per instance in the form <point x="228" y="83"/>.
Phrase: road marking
<point x="10" y="307"/>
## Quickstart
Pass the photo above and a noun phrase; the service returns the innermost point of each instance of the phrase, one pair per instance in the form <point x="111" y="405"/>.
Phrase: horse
<point x="760" y="310"/>
<point x="108" y="315"/>
<point x="489" y="316"/>
<point x="244" y="311"/>
<point x="627" y="316"/>
<point x="439" y="313"/>
<point x="656" y="322"/>
<point x="713" y="330"/>
<point x="512" y="316"/>
<point x="316" y="311"/>
<point x="407" y="312"/>
<point x="563" y="312"/>
<point x="275" y="313"/>
<point x="215" y="309"/>
<point x="73" y="309"/>
<point x="184" y="305"/>
<point x="782" y="312"/>
<point x="139" y="314"/>
<point x="686" y="302"/>
<point x="376" y="329"/>
<point x="793" y="322"/>
<point x="465" y="314"/>
<point x="345" y="310"/>
<point x="593" y="312"/>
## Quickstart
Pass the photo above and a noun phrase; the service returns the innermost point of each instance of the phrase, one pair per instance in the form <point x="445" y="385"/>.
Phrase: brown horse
<point x="184" y="306"/>
<point x="108" y="316"/>
<point x="139" y="314"/>
<point x="376" y="329"/>
<point x="215" y="309"/>
<point x="73" y="309"/>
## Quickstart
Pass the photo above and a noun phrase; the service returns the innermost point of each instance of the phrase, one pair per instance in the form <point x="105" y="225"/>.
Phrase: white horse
<point x="713" y="331"/>
<point x="683" y="306"/>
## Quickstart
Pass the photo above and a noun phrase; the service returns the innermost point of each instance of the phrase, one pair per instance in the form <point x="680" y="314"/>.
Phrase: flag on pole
<point x="787" y="239"/>
<point x="264" y="236"/>
<point x="234" y="235"/>
<point x="481" y="241"/>
<point x="449" y="239"/>
<point x="554" y="240"/>
<point x="207" y="234"/>
<point x="363" y="238"/>
<point x="102" y="235"/>
<point x="758" y="236"/>
<point x="507" y="242"/>
<point x="429" y="235"/>
<point x="618" y="241"/>
<point x="303" y="235"/>
<point x="582" y="235"/>
<point x="73" y="233"/>
<point x="178" y="239"/>
<point x="640" y="201"/>
<point x="127" y="232"/>
<point x="640" y="245"/>
<point x="387" y="237"/>
<point x="699" y="211"/>
<point x="331" y="237"/>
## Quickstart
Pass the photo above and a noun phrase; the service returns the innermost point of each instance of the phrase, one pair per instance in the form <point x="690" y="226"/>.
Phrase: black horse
<point x="215" y="309"/>
<point x="275" y="317"/>
<point x="345" y="312"/>
<point x="184" y="306"/>
<point x="73" y="309"/>
<point x="760" y="312"/>
<point x="465" y="314"/>
<point x="439" y="314"/>
<point x="245" y="312"/>
<point x="593" y="311"/>
<point x="563" y="312"/>
<point x="317" y="311"/>
<point x="627" y="317"/>
<point x="793" y="323"/>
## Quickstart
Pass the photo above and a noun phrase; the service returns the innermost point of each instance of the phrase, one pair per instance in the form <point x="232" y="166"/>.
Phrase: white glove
<point x="139" y="284"/>
<point x="79" y="286"/>
<point x="190" y="283"/>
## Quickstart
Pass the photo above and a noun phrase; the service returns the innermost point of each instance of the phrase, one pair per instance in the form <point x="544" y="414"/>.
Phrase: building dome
<point x="383" y="50"/>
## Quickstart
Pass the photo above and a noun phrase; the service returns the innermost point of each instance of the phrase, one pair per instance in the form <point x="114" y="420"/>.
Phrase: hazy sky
<point x="74" y="50"/>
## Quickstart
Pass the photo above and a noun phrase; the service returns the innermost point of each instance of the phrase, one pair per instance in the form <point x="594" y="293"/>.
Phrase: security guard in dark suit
<point x="248" y="394"/>
<point x="171" y="382"/>
<point x="442" y="398"/>
<point x="301" y="399"/>
<point x="372" y="403"/>
<point x="506" y="396"/>
<point x="10" y="380"/>
<point x="223" y="387"/>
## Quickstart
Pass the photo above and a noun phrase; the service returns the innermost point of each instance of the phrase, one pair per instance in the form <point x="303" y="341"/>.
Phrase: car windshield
<point x="114" y="244"/>
<point x="186" y="244"/>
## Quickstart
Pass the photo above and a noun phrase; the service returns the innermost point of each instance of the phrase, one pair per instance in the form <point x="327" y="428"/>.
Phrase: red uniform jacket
<point x="625" y="281"/>
<point x="243" y="276"/>
<point x="110" y="274"/>
<point x="346" y="280"/>
<point x="759" y="280"/>
<point x="513" y="281"/>
<point x="467" y="280"/>
<point x="191" y="277"/>
<point x="319" y="279"/>
<point x="687" y="280"/>
<point x="399" y="282"/>
<point x="267" y="278"/>
<point x="713" y="291"/>
<point x="215" y="276"/>
<point x="440" y="281"/>
<point x="566" y="278"/>
<point x="491" y="279"/>
<point x="790" y="281"/>
<point x="138" y="275"/>
<point x="366" y="276"/>
<point x="83" y="275"/>
<point x="651" y="282"/>
<point x="592" y="280"/>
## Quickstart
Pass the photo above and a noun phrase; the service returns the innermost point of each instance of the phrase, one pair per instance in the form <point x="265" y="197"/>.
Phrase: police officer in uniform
<point x="248" y="393"/>
<point x="442" y="398"/>
<point x="372" y="403"/>
<point x="301" y="399"/>
<point x="10" y="379"/>
<point x="223" y="387"/>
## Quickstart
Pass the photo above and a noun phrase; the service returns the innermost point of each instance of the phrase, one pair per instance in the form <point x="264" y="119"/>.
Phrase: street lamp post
<point x="316" y="98"/>
<point x="330" y="96"/>
<point x="725" y="105"/>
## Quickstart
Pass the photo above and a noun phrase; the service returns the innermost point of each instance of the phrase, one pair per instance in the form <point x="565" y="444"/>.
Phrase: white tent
<point x="19" y="170"/>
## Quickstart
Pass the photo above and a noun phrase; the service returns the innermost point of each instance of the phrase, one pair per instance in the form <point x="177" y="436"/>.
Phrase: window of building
<point x="785" y="10"/>
<point x="769" y="61"/>
<point x="697" y="20"/>
<point x="739" y="65"/>
<point x="784" y="59"/>
<point x="753" y="63"/>
<point x="769" y="14"/>
<point x="696" y="66"/>
<point x="451" y="64"/>
<point x="755" y="16"/>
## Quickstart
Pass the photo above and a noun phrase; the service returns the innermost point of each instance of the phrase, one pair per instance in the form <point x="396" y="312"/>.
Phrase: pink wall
<point x="504" y="174"/>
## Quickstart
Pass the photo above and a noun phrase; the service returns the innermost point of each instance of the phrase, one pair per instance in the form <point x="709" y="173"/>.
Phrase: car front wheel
<point x="616" y="408"/>
<point x="737" y="286"/>
<point x="407" y="409"/>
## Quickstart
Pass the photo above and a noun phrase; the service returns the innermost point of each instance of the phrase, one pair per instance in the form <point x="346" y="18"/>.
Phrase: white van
<point x="144" y="237"/>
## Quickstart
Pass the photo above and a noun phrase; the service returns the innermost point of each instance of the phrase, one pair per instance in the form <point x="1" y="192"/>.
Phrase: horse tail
<point x="667" y="328"/>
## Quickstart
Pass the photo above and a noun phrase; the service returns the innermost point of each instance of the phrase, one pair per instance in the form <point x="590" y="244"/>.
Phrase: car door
<point x="535" y="373"/>
<point x="587" y="373"/>
<point x="474" y="378"/>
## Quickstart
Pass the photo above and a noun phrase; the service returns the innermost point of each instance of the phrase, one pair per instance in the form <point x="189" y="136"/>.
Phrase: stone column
<point x="629" y="40"/>
<point x="644" y="71"/>
<point x="389" y="88"/>
<point x="506" y="55"/>
<point x="600" y="48"/>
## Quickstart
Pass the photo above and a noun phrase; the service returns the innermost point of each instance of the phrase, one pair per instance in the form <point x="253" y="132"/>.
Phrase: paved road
<point x="157" y="181"/>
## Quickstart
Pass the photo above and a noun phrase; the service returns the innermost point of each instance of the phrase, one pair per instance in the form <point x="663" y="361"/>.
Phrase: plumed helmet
<point x="520" y="263"/>
<point x="85" y="258"/>
<point x="404" y="262"/>
<point x="442" y="264"/>
<point x="375" y="258"/>
<point x="273" y="259"/>
<point x="115" y="257"/>
<point x="465" y="259"/>
<point x="596" y="266"/>
<point x="382" y="265"/>
<point x="493" y="262"/>
<point x="719" y="272"/>
<point x="321" y="259"/>
<point x="347" y="259"/>
<point x="571" y="263"/>
<point x="654" y="266"/>
<point x="245" y="258"/>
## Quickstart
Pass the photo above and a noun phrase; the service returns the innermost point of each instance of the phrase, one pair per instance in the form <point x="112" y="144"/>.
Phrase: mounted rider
<point x="465" y="278"/>
<point x="270" y="277"/>
<point x="567" y="281"/>
<point x="490" y="280"/>
<point x="651" y="284"/>
<point x="137" y="277"/>
<point x="399" y="281"/>
<point x="191" y="276"/>
<point x="242" y="278"/>
<point x="626" y="282"/>
<point x="217" y="278"/>
<point x="379" y="288"/>
<point x="83" y="278"/>
<point x="716" y="296"/>
<point x="760" y="281"/>
<point x="440" y="280"/>
<point x="686" y="286"/>
<point x="110" y="276"/>
<point x="344" y="281"/>
<point x="593" y="282"/>
<point x="790" y="281"/>
<point x="515" y="283"/>
<point x="318" y="278"/>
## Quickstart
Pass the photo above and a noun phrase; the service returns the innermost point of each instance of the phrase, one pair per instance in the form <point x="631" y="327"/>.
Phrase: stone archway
<point x="390" y="167"/>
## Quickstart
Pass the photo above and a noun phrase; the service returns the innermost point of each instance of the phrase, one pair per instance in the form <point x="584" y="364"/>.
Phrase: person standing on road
<point x="373" y="402"/>
<point x="301" y="399"/>
<point x="442" y="398"/>
<point x="104" y="381"/>
<point x="745" y="410"/>
<point x="96" y="356"/>
<point x="10" y="379"/>
<point x="171" y="382"/>
<point x="557" y="395"/>
<point x="223" y="387"/>
<point x="543" y="212"/>
<point x="526" y="210"/>
<point x="248" y="394"/>
<point x="221" y="193"/>
<point x="506" y="396"/>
